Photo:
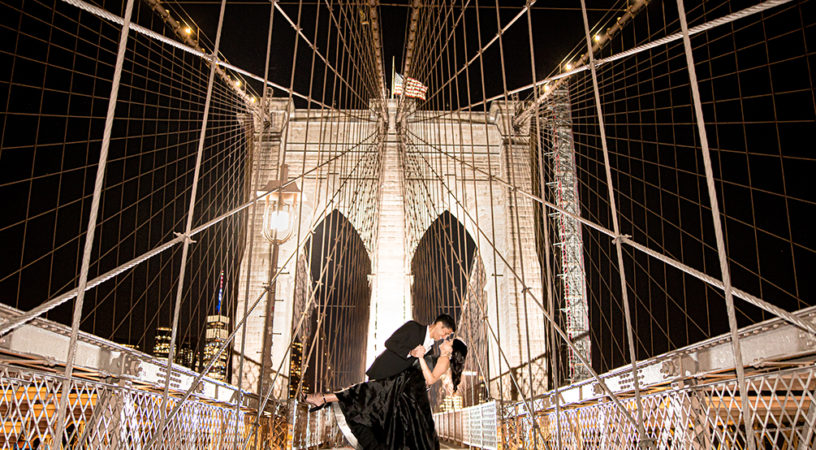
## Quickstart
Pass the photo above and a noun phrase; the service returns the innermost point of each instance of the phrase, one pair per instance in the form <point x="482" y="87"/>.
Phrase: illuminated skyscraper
<point x="218" y="330"/>
<point x="161" y="347"/>
<point x="452" y="403"/>
<point x="296" y="369"/>
<point x="217" y="333"/>
<point x="185" y="354"/>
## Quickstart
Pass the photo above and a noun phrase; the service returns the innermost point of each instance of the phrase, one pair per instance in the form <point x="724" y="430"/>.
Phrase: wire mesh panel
<point x="703" y="416"/>
<point x="475" y="426"/>
<point x="316" y="430"/>
<point x="104" y="415"/>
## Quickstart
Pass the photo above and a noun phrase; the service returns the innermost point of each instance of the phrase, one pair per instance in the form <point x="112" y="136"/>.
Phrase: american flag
<point x="410" y="87"/>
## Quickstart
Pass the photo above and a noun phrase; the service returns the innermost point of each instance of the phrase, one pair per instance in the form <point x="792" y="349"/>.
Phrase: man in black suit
<point x="396" y="356"/>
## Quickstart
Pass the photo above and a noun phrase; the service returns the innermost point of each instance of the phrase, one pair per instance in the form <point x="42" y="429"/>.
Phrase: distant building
<point x="218" y="330"/>
<point x="185" y="354"/>
<point x="482" y="390"/>
<point x="161" y="347"/>
<point x="217" y="333"/>
<point x="452" y="403"/>
<point x="296" y="369"/>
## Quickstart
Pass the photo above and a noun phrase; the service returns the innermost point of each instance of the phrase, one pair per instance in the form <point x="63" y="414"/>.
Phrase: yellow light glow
<point x="237" y="83"/>
<point x="597" y="38"/>
<point x="547" y="88"/>
<point x="568" y="66"/>
<point x="188" y="31"/>
<point x="253" y="99"/>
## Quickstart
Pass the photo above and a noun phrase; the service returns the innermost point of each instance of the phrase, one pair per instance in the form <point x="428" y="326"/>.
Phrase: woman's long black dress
<point x="392" y="413"/>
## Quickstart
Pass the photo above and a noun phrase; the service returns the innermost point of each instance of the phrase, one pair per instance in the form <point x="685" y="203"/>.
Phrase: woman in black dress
<point x="394" y="412"/>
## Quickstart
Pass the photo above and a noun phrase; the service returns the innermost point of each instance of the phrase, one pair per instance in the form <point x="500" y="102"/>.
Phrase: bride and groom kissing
<point x="392" y="410"/>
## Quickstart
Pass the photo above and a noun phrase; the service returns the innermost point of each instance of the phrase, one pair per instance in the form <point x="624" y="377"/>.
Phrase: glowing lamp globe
<point x="280" y="205"/>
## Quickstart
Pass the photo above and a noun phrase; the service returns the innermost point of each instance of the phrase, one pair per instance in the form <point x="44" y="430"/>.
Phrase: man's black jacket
<point x="394" y="359"/>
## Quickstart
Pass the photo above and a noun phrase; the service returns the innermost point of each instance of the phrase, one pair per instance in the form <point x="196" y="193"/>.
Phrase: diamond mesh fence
<point x="680" y="416"/>
<point x="106" y="414"/>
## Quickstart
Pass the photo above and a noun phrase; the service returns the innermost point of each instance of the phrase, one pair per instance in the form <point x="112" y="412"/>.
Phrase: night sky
<point x="556" y="23"/>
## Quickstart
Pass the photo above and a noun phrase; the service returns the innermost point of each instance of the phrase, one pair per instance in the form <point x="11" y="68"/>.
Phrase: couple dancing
<point x="392" y="409"/>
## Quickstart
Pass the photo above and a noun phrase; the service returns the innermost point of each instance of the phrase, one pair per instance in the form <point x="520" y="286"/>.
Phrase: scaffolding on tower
<point x="568" y="243"/>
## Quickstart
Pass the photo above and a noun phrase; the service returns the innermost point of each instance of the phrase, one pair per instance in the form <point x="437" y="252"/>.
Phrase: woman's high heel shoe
<point x="314" y="407"/>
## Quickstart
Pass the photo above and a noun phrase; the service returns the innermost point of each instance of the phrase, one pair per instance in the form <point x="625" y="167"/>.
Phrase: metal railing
<point x="115" y="398"/>
<point x="690" y="400"/>
<point x="706" y="415"/>
<point x="316" y="430"/>
<point x="104" y="414"/>
<point x="476" y="426"/>
<point x="683" y="416"/>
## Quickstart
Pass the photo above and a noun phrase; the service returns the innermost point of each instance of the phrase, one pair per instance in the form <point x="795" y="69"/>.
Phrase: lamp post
<point x="279" y="208"/>
<point x="280" y="205"/>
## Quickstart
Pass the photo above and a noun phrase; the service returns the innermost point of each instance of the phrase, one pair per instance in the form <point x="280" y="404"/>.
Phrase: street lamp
<point x="279" y="208"/>
<point x="280" y="203"/>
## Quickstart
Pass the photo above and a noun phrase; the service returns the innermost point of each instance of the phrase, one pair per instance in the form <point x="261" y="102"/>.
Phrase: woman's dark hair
<point x="457" y="362"/>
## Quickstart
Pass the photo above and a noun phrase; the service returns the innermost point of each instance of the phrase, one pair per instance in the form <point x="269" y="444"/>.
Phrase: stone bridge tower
<point x="498" y="220"/>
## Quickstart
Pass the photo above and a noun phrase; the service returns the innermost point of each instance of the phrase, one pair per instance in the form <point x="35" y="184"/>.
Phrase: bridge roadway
<point x="31" y="357"/>
<point x="442" y="446"/>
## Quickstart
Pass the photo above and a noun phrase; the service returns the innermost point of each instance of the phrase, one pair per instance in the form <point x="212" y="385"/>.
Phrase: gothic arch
<point x="441" y="267"/>
<point x="471" y="328"/>
<point x="338" y="316"/>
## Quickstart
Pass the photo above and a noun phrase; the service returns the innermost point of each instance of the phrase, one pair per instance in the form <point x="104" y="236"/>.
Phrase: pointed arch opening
<point x="441" y="267"/>
<point x="337" y="319"/>
<point x="449" y="278"/>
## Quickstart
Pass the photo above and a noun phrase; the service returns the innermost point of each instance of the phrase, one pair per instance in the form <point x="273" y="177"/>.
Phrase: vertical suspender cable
<point x="317" y="194"/>
<point x="253" y="216"/>
<point x="266" y="353"/>
<point x="89" y="235"/>
<point x="718" y="232"/>
<point x="495" y="273"/>
<point x="190" y="212"/>
<point x="300" y="207"/>
<point x="616" y="228"/>
<point x="484" y="316"/>
<point x="514" y="223"/>
<point x="473" y="331"/>
<point x="547" y="275"/>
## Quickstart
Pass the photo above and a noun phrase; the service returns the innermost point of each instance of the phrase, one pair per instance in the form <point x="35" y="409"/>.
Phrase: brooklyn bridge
<point x="214" y="207"/>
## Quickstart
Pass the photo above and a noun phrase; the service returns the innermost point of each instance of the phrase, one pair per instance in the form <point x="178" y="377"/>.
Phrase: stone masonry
<point x="391" y="181"/>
